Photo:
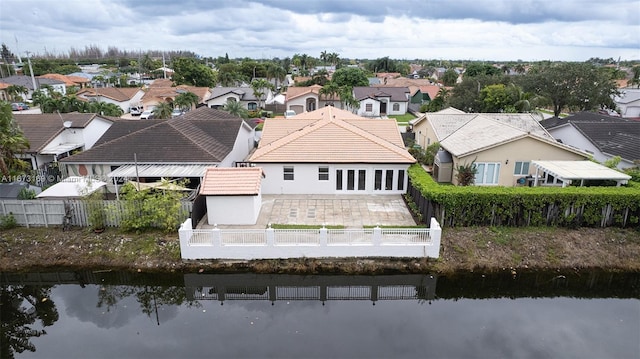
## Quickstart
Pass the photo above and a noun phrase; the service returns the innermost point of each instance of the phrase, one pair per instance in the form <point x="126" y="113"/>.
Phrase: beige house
<point x="502" y="146"/>
<point x="308" y="98"/>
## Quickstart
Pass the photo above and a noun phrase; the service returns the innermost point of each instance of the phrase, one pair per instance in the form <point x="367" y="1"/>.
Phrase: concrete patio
<point x="351" y="211"/>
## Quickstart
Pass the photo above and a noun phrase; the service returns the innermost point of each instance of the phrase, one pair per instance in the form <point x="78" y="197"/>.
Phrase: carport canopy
<point x="568" y="171"/>
<point x="160" y="170"/>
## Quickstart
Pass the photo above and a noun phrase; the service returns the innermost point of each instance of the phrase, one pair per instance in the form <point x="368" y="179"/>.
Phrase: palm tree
<point x="260" y="87"/>
<point x="333" y="58"/>
<point x="235" y="108"/>
<point x="13" y="142"/>
<point x="347" y="99"/>
<point x="15" y="92"/>
<point x="329" y="91"/>
<point x="279" y="74"/>
<point x="163" y="110"/>
<point x="186" y="101"/>
<point x="323" y="57"/>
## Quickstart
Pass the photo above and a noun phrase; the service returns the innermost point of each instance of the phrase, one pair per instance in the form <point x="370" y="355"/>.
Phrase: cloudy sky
<point x="569" y="30"/>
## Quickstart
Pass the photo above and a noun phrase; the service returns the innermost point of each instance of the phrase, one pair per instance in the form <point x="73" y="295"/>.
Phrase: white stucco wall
<point x="240" y="210"/>
<point x="93" y="131"/>
<point x="375" y="108"/>
<point x="245" y="142"/>
<point x="302" y="101"/>
<point x="222" y="100"/>
<point x="306" y="179"/>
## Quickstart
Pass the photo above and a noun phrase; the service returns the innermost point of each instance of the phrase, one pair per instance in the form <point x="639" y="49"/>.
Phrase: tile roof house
<point x="220" y="95"/>
<point x="162" y="93"/>
<point x="307" y="98"/>
<point x="629" y="102"/>
<point x="69" y="80"/>
<point x="124" y="97"/>
<point x="602" y="136"/>
<point x="27" y="82"/>
<point x="55" y="136"/>
<point x="332" y="151"/>
<point x="181" y="147"/>
<point x="378" y="101"/>
<point x="501" y="145"/>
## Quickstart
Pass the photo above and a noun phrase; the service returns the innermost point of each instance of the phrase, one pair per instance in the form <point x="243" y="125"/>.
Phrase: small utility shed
<point x="233" y="195"/>
<point x="564" y="172"/>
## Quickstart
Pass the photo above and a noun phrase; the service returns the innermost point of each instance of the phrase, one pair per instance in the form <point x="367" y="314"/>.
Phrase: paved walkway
<point x="351" y="211"/>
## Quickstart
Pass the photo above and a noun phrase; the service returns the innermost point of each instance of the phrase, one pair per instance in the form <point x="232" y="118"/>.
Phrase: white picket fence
<point x="45" y="213"/>
<point x="273" y="243"/>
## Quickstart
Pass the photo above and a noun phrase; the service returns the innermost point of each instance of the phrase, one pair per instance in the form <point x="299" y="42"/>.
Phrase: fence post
<point x="435" y="233"/>
<point x="270" y="236"/>
<point x="323" y="236"/>
<point x="216" y="238"/>
<point x="377" y="236"/>
<point x="184" y="233"/>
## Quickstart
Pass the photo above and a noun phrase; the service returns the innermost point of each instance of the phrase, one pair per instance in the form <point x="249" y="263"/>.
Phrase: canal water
<point x="102" y="314"/>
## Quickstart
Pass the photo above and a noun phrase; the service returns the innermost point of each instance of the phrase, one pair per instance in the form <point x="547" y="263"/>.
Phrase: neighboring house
<point x="70" y="81"/>
<point x="183" y="147"/>
<point x="379" y="101"/>
<point x="220" y="95"/>
<point x="602" y="136"/>
<point x="55" y="136"/>
<point x="332" y="151"/>
<point x="4" y="96"/>
<point x="124" y="97"/>
<point x="308" y="98"/>
<point x="502" y="146"/>
<point x="161" y="91"/>
<point x="629" y="103"/>
<point x="27" y="81"/>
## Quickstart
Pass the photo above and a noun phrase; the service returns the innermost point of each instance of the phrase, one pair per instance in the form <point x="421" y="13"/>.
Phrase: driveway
<point x="351" y="211"/>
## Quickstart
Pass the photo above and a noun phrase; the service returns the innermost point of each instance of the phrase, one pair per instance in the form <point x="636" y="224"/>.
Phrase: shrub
<point x="8" y="221"/>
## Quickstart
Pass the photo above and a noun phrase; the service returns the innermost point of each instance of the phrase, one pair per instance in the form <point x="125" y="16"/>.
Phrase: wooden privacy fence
<point x="45" y="213"/>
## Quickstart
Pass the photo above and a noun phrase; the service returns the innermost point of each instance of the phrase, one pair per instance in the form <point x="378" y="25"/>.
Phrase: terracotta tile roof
<point x="444" y="124"/>
<point x="161" y="83"/>
<point x="163" y="93"/>
<point x="406" y="82"/>
<point x="331" y="135"/>
<point x="119" y="94"/>
<point x="295" y="91"/>
<point x="42" y="129"/>
<point x="220" y="181"/>
<point x="68" y="80"/>
<point x="203" y="135"/>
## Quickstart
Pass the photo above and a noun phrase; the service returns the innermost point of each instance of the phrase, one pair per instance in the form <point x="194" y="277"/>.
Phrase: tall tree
<point x="15" y="92"/>
<point x="350" y="76"/>
<point x="188" y="71"/>
<point x="449" y="77"/>
<point x="260" y="88"/>
<point x="12" y="142"/>
<point x="576" y="86"/>
<point x="163" y="110"/>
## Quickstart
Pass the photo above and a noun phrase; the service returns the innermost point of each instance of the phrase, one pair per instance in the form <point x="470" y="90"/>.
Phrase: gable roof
<point x="612" y="135"/>
<point x="397" y="94"/>
<point x="220" y="181"/>
<point x="203" y="135"/>
<point x="67" y="79"/>
<point x="245" y="93"/>
<point x="119" y="94"/>
<point x="482" y="133"/>
<point x="160" y="93"/>
<point x="331" y="135"/>
<point x="297" y="91"/>
<point x="27" y="82"/>
<point x="41" y="129"/>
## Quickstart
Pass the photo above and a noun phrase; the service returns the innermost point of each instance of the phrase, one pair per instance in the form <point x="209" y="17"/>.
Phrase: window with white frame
<point x="252" y="106"/>
<point x="288" y="173"/>
<point x="521" y="168"/>
<point x="396" y="107"/>
<point x="487" y="173"/>
<point x="369" y="107"/>
<point x="323" y="173"/>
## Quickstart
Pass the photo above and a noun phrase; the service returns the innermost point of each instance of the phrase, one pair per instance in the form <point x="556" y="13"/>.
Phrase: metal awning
<point x="567" y="171"/>
<point x="157" y="170"/>
<point x="61" y="148"/>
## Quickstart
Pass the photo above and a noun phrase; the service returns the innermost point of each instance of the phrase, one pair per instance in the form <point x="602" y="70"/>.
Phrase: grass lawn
<point x="403" y="119"/>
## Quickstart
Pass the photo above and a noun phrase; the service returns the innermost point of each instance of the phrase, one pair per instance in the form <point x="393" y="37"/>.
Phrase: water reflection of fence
<point x="295" y="243"/>
<point x="320" y="288"/>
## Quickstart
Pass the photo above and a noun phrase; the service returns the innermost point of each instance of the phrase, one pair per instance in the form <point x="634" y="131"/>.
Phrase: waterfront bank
<point x="462" y="249"/>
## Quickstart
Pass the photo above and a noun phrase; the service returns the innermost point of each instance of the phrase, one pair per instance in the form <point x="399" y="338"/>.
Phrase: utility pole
<point x="33" y="78"/>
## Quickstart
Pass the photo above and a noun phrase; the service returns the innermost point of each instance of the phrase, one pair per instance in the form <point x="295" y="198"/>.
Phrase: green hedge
<point x="529" y="206"/>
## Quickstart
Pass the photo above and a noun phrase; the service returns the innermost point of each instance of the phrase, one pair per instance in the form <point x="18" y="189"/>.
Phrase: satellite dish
<point x="67" y="124"/>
